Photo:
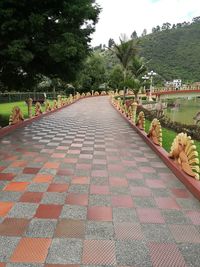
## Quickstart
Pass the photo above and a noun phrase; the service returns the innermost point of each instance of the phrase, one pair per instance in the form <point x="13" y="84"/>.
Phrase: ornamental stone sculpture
<point x="183" y="152"/>
<point x="16" y="116"/>
<point x="141" y="121"/>
<point x="155" y="132"/>
<point x="38" y="109"/>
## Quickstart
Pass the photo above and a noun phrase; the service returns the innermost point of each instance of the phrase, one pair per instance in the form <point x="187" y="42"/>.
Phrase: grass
<point x="6" y="109"/>
<point x="168" y="137"/>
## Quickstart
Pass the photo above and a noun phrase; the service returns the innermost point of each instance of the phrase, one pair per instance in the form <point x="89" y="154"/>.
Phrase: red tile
<point x="40" y="159"/>
<point x="146" y="169"/>
<point x="140" y="191"/>
<point x="180" y="193"/>
<point x="31" y="170"/>
<point x="128" y="231"/>
<point x="115" y="181"/>
<point x="115" y="167"/>
<point x="83" y="166"/>
<point x="64" y="172"/>
<point x="134" y="175"/>
<point x="153" y="183"/>
<point x="194" y="216"/>
<point x="166" y="255"/>
<point x="13" y="227"/>
<point x="60" y="188"/>
<point x="122" y="201"/>
<point x="32" y="197"/>
<point x="99" y="189"/>
<point x="70" y="229"/>
<point x="77" y="199"/>
<point x="52" y="165"/>
<point x="48" y="211"/>
<point x="5" y="208"/>
<point x="19" y="163"/>
<point x="150" y="215"/>
<point x="33" y="250"/>
<point x="141" y="159"/>
<point x="166" y="203"/>
<point x="185" y="233"/>
<point x="2" y="264"/>
<point x="100" y="161"/>
<point x="7" y="176"/>
<point x="61" y="148"/>
<point x="43" y="178"/>
<point x="16" y="186"/>
<point x="80" y="180"/>
<point x="99" y="252"/>
<point x="97" y="213"/>
<point x="2" y="168"/>
<point x="58" y="155"/>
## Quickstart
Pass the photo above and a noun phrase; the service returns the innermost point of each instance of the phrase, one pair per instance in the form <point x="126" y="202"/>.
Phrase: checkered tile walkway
<point x="80" y="188"/>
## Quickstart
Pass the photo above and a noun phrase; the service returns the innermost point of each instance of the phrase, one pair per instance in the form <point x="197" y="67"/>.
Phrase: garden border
<point x="192" y="185"/>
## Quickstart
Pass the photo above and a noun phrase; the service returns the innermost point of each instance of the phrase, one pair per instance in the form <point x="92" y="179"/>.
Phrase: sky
<point x="124" y="16"/>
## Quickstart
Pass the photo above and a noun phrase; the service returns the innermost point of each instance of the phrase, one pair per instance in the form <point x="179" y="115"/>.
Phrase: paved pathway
<point x="81" y="187"/>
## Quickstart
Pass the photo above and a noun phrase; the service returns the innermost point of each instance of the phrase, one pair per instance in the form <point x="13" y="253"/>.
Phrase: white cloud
<point x="125" y="16"/>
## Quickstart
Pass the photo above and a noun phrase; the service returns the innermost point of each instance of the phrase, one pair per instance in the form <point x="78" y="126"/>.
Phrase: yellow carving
<point x="47" y="106"/>
<point x="88" y="94"/>
<point x="16" y="116"/>
<point x="38" y="109"/>
<point x="103" y="93"/>
<point x="55" y="104"/>
<point x="141" y="121"/>
<point x="184" y="153"/>
<point x="96" y="93"/>
<point x="155" y="132"/>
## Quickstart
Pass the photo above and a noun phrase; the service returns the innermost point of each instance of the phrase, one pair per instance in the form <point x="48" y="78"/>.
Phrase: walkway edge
<point x="192" y="184"/>
<point x="10" y="128"/>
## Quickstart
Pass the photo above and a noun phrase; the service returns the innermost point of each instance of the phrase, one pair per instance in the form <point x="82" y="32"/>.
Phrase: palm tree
<point x="125" y="52"/>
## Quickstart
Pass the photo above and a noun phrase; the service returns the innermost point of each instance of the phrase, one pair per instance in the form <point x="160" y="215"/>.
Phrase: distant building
<point x="175" y="84"/>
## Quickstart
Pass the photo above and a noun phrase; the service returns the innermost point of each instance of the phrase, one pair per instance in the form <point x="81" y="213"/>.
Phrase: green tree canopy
<point x="44" y="37"/>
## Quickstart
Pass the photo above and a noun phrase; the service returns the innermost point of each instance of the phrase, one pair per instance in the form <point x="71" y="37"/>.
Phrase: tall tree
<point x="125" y="52"/>
<point x="144" y="33"/>
<point x="44" y="37"/>
<point x="134" y="35"/>
<point x="111" y="42"/>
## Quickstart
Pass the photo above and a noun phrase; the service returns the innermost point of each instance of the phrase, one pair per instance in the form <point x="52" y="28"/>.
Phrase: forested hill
<point x="174" y="53"/>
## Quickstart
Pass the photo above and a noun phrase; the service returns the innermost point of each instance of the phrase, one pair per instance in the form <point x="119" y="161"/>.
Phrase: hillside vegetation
<point x="174" y="53"/>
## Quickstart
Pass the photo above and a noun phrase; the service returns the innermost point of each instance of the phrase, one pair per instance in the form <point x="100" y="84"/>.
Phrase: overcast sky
<point x="124" y="16"/>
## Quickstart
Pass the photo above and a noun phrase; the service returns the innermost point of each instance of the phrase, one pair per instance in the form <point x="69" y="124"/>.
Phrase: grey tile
<point x="13" y="170"/>
<point x="144" y="202"/>
<point x="99" y="230"/>
<point x="48" y="171"/>
<point x="190" y="253"/>
<point x="100" y="200"/>
<point x="23" y="265"/>
<point x="10" y="196"/>
<point x="24" y="177"/>
<point x="74" y="212"/>
<point x="65" y="251"/>
<point x="53" y="198"/>
<point x="23" y="210"/>
<point x="157" y="233"/>
<point x="132" y="253"/>
<point x="62" y="179"/>
<point x="124" y="215"/>
<point x="41" y="228"/>
<point x="7" y="246"/>
<point x="175" y="217"/>
<point x="38" y="187"/>
<point x="119" y="190"/>
<point x="76" y="188"/>
<point x="188" y="203"/>
<point x="99" y="180"/>
<point x="160" y="192"/>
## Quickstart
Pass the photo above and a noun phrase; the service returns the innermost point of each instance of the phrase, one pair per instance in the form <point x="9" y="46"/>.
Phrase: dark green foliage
<point x="93" y="73"/>
<point x="44" y="37"/>
<point x="174" y="53"/>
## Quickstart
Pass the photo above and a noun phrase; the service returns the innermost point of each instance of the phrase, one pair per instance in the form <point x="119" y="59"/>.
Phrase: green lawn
<point x="6" y="109"/>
